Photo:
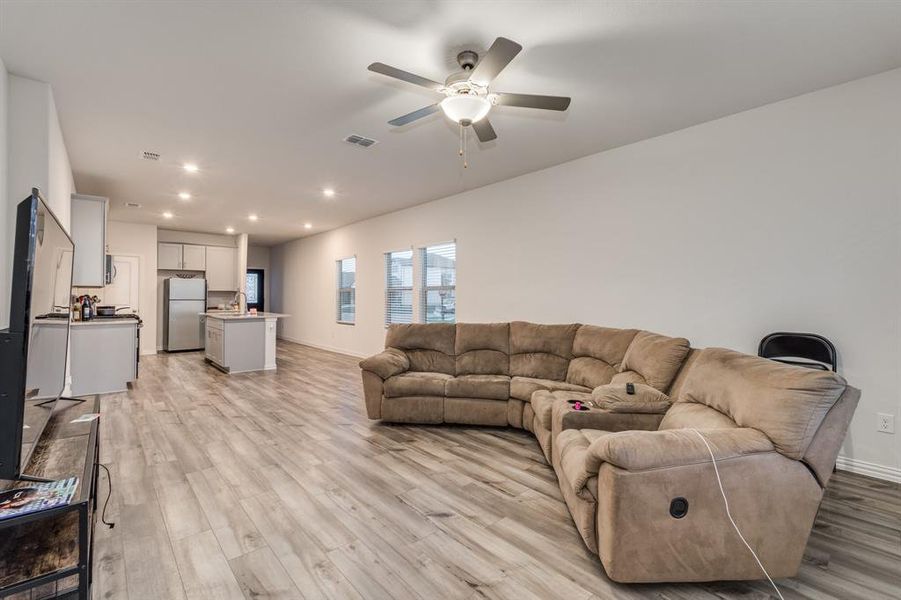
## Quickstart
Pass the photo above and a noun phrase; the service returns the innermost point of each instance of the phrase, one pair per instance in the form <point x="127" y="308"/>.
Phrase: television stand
<point x="34" y="479"/>
<point x="67" y="398"/>
<point x="50" y="552"/>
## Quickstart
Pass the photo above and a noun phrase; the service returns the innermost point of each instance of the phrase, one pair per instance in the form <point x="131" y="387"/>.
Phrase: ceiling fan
<point x="468" y="99"/>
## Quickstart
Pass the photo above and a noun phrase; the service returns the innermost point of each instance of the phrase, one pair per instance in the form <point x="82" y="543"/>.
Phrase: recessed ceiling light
<point x="190" y="167"/>
<point x="229" y="230"/>
<point x="167" y="215"/>
<point x="308" y="226"/>
<point x="328" y="193"/>
<point x="252" y="217"/>
<point x="184" y="195"/>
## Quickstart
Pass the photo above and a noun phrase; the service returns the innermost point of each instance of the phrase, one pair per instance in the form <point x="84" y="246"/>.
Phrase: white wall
<point x="258" y="258"/>
<point x="35" y="157"/>
<point x="785" y="217"/>
<point x="134" y="239"/>
<point x="60" y="182"/>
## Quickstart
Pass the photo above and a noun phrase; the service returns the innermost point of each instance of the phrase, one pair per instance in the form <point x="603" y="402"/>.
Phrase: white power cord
<point x="729" y="514"/>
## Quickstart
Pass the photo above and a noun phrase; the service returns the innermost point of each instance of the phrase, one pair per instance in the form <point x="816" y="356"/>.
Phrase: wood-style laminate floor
<point x="275" y="485"/>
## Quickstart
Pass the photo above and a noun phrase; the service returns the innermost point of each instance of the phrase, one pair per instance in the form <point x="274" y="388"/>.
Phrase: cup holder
<point x="582" y="406"/>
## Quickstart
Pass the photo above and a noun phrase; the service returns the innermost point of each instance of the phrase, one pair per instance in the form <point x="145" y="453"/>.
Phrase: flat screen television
<point x="34" y="349"/>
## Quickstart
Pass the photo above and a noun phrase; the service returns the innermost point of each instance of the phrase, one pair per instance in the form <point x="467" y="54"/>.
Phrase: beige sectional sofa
<point x="634" y="469"/>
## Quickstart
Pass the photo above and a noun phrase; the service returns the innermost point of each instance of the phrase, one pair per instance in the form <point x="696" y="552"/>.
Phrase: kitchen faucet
<point x="236" y="301"/>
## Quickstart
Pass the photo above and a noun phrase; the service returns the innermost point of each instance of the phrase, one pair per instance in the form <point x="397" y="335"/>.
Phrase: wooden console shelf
<point x="48" y="554"/>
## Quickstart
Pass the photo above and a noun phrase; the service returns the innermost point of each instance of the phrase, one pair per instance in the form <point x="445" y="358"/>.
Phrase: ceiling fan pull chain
<point x="463" y="146"/>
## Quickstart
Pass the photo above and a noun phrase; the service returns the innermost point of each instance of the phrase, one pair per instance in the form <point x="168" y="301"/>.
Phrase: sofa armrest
<point x="652" y="450"/>
<point x="645" y="399"/>
<point x="643" y="450"/>
<point x="387" y="363"/>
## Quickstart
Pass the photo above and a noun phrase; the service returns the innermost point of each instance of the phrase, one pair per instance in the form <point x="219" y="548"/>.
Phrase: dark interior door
<point x="255" y="298"/>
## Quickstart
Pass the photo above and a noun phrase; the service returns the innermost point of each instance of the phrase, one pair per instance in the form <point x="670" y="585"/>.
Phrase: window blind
<point x="346" y="297"/>
<point x="399" y="287"/>
<point x="438" y="294"/>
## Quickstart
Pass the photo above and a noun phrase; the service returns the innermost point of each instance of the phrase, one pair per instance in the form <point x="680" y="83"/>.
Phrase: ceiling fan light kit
<point x="467" y="99"/>
<point x="465" y="109"/>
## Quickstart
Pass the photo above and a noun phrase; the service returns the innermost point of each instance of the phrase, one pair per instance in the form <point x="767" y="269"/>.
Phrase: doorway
<point x="255" y="295"/>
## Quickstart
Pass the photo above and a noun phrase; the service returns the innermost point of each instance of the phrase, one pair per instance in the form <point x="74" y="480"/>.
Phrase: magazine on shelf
<point x="36" y="497"/>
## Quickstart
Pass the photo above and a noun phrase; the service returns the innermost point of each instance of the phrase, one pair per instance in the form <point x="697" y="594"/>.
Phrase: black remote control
<point x="630" y="388"/>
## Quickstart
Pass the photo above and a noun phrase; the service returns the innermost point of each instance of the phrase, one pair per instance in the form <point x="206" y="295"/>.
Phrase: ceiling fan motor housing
<point x="467" y="60"/>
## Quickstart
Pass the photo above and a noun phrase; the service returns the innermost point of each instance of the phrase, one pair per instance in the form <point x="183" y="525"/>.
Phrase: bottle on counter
<point x="76" y="310"/>
<point x="87" y="311"/>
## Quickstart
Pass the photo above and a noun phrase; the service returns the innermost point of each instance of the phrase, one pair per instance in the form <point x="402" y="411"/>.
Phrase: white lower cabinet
<point x="103" y="356"/>
<point x="240" y="344"/>
<point x="214" y="350"/>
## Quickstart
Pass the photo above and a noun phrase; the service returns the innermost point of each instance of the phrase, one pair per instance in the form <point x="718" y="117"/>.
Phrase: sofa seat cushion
<point x="616" y="398"/>
<point x="522" y="388"/>
<point x="543" y="403"/>
<point x="416" y="383"/>
<point x="495" y="387"/>
<point x="571" y="454"/>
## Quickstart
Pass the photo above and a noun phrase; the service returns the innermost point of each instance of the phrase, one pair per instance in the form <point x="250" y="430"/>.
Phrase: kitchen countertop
<point x="63" y="322"/>
<point x="233" y="316"/>
<point x="128" y="321"/>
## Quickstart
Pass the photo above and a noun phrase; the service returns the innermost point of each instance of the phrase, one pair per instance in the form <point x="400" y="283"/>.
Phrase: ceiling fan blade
<point x="416" y="114"/>
<point x="500" y="54"/>
<point x="390" y="71"/>
<point x="484" y="130"/>
<point x="532" y="101"/>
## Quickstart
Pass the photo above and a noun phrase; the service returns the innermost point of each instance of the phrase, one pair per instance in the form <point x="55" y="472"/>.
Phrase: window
<point x="438" y="294"/>
<point x="346" y="297"/>
<point x="399" y="287"/>
<point x="255" y="289"/>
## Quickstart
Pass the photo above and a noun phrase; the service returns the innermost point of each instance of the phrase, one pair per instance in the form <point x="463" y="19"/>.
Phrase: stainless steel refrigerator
<point x="183" y="301"/>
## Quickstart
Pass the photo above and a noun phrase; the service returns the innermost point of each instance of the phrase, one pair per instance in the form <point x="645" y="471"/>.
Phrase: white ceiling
<point x="260" y="94"/>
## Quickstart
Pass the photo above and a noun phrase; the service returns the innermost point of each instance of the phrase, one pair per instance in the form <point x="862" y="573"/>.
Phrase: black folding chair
<point x="801" y="349"/>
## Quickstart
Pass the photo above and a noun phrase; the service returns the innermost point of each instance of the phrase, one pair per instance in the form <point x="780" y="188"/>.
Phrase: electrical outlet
<point x="885" y="423"/>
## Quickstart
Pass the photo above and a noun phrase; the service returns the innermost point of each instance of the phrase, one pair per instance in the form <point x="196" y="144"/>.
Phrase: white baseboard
<point x="862" y="467"/>
<point x="322" y="347"/>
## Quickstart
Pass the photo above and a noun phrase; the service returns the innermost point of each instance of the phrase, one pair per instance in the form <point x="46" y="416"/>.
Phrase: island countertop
<point x="233" y="316"/>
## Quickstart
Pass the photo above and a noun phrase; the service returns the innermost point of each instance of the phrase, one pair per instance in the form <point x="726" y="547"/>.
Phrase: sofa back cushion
<point x="653" y="359"/>
<point x="598" y="353"/>
<point x="786" y="403"/>
<point x="541" y="351"/>
<point x="483" y="349"/>
<point x="430" y="347"/>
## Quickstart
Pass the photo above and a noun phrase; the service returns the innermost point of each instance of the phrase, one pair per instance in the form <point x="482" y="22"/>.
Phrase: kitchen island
<point x="241" y="342"/>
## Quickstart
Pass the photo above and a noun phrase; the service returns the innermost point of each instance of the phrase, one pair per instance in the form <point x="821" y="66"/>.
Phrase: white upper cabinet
<point x="169" y="256"/>
<point x="221" y="269"/>
<point x="88" y="229"/>
<point x="180" y="257"/>
<point x="193" y="258"/>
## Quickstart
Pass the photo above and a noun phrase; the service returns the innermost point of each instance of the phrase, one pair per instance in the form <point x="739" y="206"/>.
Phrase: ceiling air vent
<point x="148" y="155"/>
<point x="359" y="140"/>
